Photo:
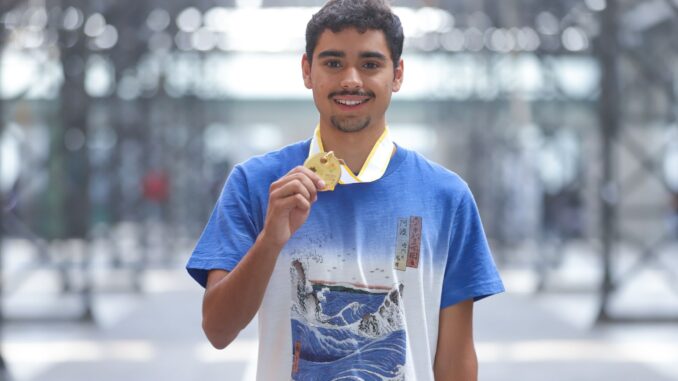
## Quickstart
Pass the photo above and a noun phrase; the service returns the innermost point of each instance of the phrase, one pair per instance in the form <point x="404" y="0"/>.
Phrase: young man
<point x="373" y="280"/>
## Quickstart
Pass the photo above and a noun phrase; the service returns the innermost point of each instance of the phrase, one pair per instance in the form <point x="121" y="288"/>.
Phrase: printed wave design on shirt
<point x="344" y="332"/>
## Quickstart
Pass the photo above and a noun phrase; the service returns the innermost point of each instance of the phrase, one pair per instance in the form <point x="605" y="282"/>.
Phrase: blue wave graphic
<point x="360" y="305"/>
<point x="347" y="334"/>
<point x="320" y="344"/>
<point x="379" y="360"/>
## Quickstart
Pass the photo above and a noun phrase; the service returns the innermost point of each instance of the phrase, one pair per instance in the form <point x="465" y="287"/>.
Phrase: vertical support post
<point x="3" y="367"/>
<point x="608" y="109"/>
<point x="71" y="142"/>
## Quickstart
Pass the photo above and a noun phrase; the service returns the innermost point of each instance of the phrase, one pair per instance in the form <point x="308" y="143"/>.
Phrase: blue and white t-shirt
<point x="357" y="291"/>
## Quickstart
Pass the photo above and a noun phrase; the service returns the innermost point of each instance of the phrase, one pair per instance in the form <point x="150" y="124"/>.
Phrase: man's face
<point x="352" y="78"/>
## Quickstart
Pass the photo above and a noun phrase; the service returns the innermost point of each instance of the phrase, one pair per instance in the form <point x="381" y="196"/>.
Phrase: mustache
<point x="354" y="93"/>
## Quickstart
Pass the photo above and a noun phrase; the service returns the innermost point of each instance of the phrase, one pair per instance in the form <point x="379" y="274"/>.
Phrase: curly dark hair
<point x="338" y="15"/>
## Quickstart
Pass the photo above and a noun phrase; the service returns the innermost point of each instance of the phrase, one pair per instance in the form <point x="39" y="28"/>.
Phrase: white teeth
<point x="348" y="103"/>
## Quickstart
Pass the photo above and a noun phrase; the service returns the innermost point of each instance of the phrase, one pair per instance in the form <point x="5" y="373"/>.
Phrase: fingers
<point x="299" y="180"/>
<point x="320" y="184"/>
<point x="295" y="186"/>
<point x="295" y="201"/>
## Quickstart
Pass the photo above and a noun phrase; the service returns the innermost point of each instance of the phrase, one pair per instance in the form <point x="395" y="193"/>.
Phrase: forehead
<point x="350" y="40"/>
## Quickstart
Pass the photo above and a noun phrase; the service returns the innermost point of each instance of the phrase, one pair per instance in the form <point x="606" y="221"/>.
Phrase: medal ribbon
<point x="373" y="168"/>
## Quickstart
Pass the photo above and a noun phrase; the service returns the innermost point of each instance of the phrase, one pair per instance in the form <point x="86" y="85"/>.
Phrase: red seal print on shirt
<point x="408" y="243"/>
<point x="414" y="242"/>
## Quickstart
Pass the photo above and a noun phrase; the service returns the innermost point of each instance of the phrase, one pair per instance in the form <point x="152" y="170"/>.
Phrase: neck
<point x="352" y="147"/>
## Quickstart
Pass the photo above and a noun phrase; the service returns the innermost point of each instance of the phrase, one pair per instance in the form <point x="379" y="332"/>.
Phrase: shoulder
<point x="428" y="174"/>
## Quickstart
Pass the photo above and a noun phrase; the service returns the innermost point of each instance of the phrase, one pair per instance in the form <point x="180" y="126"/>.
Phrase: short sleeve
<point x="229" y="233"/>
<point x="470" y="272"/>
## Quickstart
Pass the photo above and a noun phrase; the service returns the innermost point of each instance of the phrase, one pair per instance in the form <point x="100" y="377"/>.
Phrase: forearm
<point x="456" y="358"/>
<point x="463" y="367"/>
<point x="231" y="303"/>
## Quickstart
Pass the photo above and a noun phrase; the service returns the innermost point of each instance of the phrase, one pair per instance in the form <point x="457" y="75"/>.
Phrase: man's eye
<point x="371" y="65"/>
<point x="333" y="64"/>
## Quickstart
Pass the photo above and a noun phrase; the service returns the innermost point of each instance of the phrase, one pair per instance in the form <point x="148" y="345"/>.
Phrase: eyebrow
<point x="376" y="55"/>
<point x="340" y="54"/>
<point x="331" y="53"/>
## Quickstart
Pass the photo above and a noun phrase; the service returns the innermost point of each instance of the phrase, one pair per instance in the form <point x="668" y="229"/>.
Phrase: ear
<point x="306" y="71"/>
<point x="398" y="75"/>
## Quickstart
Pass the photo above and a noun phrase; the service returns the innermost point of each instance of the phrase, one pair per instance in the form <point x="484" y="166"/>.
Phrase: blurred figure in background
<point x="155" y="185"/>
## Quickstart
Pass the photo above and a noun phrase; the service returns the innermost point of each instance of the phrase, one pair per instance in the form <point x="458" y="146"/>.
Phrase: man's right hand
<point x="289" y="204"/>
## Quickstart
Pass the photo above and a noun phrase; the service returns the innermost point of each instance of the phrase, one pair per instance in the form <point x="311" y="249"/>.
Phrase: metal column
<point x="608" y="50"/>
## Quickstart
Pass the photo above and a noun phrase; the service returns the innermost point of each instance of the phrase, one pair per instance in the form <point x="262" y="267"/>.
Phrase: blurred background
<point x="120" y="121"/>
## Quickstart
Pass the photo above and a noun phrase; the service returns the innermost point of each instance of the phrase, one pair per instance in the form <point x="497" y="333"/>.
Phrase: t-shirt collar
<point x="373" y="168"/>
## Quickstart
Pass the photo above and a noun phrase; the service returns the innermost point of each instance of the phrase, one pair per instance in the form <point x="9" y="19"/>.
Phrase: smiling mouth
<point x="346" y="102"/>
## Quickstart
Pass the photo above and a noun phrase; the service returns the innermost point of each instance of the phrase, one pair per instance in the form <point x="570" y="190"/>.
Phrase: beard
<point x="348" y="124"/>
<point x="351" y="124"/>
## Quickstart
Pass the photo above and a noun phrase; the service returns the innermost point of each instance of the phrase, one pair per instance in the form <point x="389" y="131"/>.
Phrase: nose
<point x="351" y="79"/>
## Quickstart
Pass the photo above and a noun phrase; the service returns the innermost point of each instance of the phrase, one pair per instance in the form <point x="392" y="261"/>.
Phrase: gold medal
<point x="327" y="166"/>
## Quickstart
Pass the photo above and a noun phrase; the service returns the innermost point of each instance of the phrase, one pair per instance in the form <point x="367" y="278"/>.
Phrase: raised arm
<point x="456" y="355"/>
<point x="232" y="299"/>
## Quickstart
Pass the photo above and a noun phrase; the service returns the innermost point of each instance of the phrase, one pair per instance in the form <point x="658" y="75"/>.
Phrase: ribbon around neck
<point x="373" y="168"/>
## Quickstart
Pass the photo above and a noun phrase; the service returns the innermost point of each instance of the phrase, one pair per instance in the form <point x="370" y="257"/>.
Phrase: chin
<point x="350" y="125"/>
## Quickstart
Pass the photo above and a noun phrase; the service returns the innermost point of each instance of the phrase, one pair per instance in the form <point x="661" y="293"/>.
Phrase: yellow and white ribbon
<point x="373" y="168"/>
